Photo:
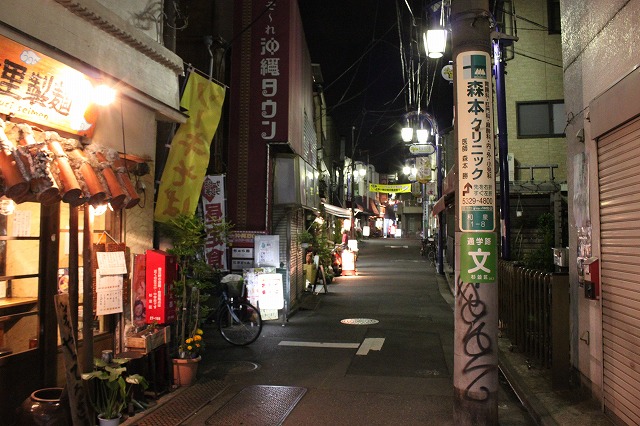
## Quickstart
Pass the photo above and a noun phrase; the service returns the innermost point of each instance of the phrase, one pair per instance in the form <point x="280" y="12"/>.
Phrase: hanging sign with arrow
<point x="421" y="149"/>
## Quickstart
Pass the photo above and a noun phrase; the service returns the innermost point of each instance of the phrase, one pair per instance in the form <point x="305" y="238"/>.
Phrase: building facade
<point x="601" y="79"/>
<point x="118" y="44"/>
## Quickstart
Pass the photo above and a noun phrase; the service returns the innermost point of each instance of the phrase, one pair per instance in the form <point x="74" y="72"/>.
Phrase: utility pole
<point x="353" y="199"/>
<point x="475" y="363"/>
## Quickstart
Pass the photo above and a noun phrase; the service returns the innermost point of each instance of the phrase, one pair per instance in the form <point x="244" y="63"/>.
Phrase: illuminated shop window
<point x="19" y="262"/>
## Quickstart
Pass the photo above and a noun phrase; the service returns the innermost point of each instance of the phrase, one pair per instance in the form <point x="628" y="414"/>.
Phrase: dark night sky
<point x="357" y="44"/>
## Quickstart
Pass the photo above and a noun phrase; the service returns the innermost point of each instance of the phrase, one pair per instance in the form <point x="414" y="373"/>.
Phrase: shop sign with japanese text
<point x="39" y="89"/>
<point x="213" y="204"/>
<point x="476" y="207"/>
<point x="270" y="70"/>
<point x="478" y="257"/>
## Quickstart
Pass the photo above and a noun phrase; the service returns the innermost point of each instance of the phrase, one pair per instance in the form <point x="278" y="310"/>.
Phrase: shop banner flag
<point x="186" y="166"/>
<point x="379" y="187"/>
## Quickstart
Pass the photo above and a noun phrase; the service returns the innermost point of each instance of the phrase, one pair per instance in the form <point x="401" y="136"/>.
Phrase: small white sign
<point x="111" y="263"/>
<point x="271" y="293"/>
<point x="108" y="293"/>
<point x="240" y="264"/>
<point x="242" y="253"/>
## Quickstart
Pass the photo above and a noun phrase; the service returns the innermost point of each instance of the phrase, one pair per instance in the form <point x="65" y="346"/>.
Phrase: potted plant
<point x="196" y="280"/>
<point x="305" y="239"/>
<point x="112" y="387"/>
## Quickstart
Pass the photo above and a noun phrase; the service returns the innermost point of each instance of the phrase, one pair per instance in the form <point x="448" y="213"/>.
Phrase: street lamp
<point x="418" y="123"/>
<point x="435" y="38"/>
<point x="435" y="42"/>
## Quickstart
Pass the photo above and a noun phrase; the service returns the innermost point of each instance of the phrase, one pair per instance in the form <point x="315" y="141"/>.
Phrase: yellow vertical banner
<point x="184" y="172"/>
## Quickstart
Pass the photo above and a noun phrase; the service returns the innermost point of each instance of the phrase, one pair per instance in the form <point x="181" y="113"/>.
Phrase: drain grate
<point x="359" y="321"/>
<point x="258" y="406"/>
<point x="182" y="406"/>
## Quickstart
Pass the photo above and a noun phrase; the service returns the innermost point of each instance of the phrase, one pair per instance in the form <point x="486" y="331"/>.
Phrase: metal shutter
<point x="288" y="223"/>
<point x="619" y="180"/>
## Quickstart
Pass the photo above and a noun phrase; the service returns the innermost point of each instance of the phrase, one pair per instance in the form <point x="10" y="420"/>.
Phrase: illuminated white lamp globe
<point x="103" y="95"/>
<point x="407" y="134"/>
<point x="406" y="170"/>
<point x="7" y="206"/>
<point x="423" y="135"/>
<point x="435" y="42"/>
<point x="100" y="209"/>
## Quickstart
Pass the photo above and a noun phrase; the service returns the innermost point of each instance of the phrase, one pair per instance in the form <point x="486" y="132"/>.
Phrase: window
<point x="19" y="262"/>
<point x="540" y="119"/>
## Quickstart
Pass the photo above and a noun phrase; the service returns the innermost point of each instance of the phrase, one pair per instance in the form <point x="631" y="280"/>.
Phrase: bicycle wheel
<point x="431" y="256"/>
<point x="239" y="323"/>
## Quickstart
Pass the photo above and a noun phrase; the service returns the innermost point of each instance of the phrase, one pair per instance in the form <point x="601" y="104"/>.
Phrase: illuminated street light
<point x="435" y="42"/>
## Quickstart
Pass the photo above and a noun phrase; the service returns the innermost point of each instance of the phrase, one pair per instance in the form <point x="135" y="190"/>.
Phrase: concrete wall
<point x="601" y="45"/>
<point x="101" y="39"/>
<point x="535" y="74"/>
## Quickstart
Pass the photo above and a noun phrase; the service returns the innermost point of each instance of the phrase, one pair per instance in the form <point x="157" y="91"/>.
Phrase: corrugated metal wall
<point x="619" y="180"/>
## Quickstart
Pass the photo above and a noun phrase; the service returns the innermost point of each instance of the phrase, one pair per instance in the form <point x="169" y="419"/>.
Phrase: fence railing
<point x="534" y="315"/>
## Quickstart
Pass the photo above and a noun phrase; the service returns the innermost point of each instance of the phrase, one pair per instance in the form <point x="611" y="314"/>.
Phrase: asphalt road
<point x="391" y="363"/>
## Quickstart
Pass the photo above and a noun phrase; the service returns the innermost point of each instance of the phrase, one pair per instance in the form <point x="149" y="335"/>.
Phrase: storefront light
<point x="103" y="95"/>
<point x="101" y="209"/>
<point x="7" y="206"/>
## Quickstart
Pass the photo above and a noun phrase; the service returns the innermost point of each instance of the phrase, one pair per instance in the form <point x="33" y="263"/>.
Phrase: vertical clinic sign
<point x="39" y="89"/>
<point x="476" y="174"/>
<point x="270" y="70"/>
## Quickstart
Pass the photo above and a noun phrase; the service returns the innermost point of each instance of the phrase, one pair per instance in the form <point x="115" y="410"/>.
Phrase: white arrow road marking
<point x="370" y="344"/>
<point x="320" y="344"/>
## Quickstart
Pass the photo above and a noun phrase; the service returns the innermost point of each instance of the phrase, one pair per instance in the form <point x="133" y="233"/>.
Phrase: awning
<point x="448" y="188"/>
<point x="439" y="206"/>
<point x="337" y="211"/>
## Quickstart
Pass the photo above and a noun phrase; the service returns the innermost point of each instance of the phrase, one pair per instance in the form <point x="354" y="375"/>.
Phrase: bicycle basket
<point x="234" y="284"/>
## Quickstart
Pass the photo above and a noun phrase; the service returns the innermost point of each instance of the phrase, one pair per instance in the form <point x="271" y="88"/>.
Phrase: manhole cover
<point x="359" y="321"/>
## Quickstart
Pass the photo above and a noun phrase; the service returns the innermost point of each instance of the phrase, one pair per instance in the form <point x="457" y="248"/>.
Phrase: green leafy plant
<point x="112" y="387"/>
<point x="196" y="278"/>
<point x="306" y="237"/>
<point x="542" y="257"/>
<point x="322" y="245"/>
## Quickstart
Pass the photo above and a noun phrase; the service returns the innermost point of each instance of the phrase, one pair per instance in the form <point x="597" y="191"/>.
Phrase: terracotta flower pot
<point x="185" y="370"/>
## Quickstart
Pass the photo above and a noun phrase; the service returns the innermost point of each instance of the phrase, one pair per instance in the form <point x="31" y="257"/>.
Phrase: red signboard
<point x="161" y="273"/>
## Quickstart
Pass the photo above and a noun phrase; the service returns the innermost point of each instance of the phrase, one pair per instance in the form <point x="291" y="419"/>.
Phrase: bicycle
<point x="428" y="249"/>
<point x="239" y="322"/>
